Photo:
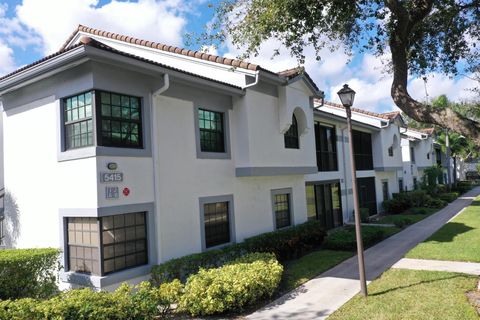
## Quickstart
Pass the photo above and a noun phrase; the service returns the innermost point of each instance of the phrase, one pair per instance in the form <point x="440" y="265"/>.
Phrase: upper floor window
<point x="428" y="155"/>
<point x="362" y="145"/>
<point x="326" y="146"/>
<point x="212" y="133"/>
<point x="121" y="121"/>
<point x="390" y="151"/>
<point x="115" y="119"/>
<point x="291" y="136"/>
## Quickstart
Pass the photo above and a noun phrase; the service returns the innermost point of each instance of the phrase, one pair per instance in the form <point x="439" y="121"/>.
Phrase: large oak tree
<point x="421" y="36"/>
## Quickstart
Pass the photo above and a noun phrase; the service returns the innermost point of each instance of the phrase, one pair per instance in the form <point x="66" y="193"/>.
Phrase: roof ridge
<point x="358" y="110"/>
<point x="163" y="47"/>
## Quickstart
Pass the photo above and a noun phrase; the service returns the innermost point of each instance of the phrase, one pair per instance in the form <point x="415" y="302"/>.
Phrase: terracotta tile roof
<point x="428" y="131"/>
<point x="368" y="113"/>
<point x="294" y="72"/>
<point x="392" y="114"/>
<point x="86" y="41"/>
<point x="164" y="47"/>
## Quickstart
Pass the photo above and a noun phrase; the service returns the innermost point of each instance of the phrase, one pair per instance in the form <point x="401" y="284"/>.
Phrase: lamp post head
<point x="346" y="95"/>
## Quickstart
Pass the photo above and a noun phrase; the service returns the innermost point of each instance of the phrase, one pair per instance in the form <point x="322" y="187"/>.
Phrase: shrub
<point x="418" y="210"/>
<point x="28" y="273"/>
<point x="140" y="302"/>
<point x="364" y="215"/>
<point x="232" y="287"/>
<point x="448" y="196"/>
<point x="345" y="239"/>
<point x="285" y="244"/>
<point x="441" y="188"/>
<point x="435" y="203"/>
<point x="402" y="223"/>
<point x="395" y="206"/>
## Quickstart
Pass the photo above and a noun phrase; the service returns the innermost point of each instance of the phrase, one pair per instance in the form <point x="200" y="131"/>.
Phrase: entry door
<point x="366" y="194"/>
<point x="329" y="211"/>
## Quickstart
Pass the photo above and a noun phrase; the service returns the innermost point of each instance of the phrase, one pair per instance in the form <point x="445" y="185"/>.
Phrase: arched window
<point x="291" y="136"/>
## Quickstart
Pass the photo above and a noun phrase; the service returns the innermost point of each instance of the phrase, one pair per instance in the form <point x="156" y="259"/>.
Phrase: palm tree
<point x="458" y="146"/>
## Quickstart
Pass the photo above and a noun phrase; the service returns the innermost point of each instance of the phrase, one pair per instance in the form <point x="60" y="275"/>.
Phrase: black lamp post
<point x="347" y="96"/>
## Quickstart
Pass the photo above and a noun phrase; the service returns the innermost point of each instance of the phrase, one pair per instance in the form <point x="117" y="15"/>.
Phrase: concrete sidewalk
<point x="321" y="296"/>
<point x="438" y="265"/>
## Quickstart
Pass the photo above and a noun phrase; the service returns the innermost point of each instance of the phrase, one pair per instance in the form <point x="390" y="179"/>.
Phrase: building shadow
<point x="12" y="220"/>
<point x="448" y="232"/>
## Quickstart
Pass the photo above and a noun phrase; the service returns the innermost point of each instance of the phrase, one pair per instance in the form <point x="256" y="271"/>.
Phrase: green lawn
<point x="407" y="217"/>
<point x="458" y="240"/>
<point x="299" y="271"/>
<point x="410" y="294"/>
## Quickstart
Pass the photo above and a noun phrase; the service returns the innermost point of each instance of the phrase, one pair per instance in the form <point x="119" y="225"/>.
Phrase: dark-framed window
<point x="78" y="120"/>
<point x="282" y="209"/>
<point x="120" y="120"/>
<point x="386" y="194"/>
<point x="390" y="151"/>
<point x="400" y="185"/>
<point x="412" y="154"/>
<point x="291" y="136"/>
<point x="212" y="130"/>
<point x="324" y="203"/>
<point x="100" y="246"/>
<point x="114" y="119"/>
<point x="326" y="147"/>
<point x="438" y="156"/>
<point x="415" y="183"/>
<point x="362" y="146"/>
<point x="216" y="223"/>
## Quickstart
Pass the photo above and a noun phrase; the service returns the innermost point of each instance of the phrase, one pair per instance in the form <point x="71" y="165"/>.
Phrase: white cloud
<point x="7" y="63"/>
<point x="209" y="49"/>
<point x="54" y="20"/>
<point x="438" y="84"/>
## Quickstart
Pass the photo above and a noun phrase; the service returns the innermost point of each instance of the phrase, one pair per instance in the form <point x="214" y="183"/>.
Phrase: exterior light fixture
<point x="347" y="96"/>
<point x="112" y="166"/>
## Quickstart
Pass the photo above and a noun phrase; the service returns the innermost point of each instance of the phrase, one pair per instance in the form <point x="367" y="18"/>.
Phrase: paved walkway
<point x="321" y="296"/>
<point x="438" y="265"/>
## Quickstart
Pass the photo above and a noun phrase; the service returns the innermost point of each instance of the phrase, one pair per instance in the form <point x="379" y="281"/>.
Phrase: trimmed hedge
<point x="405" y="200"/>
<point x="448" y="196"/>
<point x="28" y="273"/>
<point x="232" y="287"/>
<point x="140" y="302"/>
<point x="285" y="244"/>
<point x="345" y="240"/>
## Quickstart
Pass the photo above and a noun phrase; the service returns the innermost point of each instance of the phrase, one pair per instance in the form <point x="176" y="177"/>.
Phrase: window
<point x="217" y="223"/>
<point x="78" y="117"/>
<point x="412" y="154"/>
<point x="438" y="156"/>
<point x="212" y="135"/>
<point x="291" y="136"/>
<point x="386" y="194"/>
<point x="324" y="204"/>
<point x="400" y="185"/>
<point x="367" y="195"/>
<point x="428" y="155"/>
<point x="282" y="210"/>
<point x="121" y="124"/>
<point x="415" y="183"/>
<point x="121" y="244"/>
<point x="118" y="120"/>
<point x="362" y="146"/>
<point x="326" y="146"/>
<point x="390" y="151"/>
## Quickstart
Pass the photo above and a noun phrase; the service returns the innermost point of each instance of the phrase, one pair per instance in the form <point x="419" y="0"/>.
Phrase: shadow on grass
<point x="415" y="284"/>
<point x="475" y="204"/>
<point x="449" y="231"/>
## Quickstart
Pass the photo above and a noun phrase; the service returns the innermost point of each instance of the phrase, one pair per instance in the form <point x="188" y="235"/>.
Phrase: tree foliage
<point x="421" y="36"/>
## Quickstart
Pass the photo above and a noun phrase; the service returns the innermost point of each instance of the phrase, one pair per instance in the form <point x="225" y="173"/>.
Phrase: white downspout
<point x="156" y="178"/>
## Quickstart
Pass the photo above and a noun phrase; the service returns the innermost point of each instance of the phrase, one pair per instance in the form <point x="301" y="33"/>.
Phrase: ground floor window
<point x="415" y="183"/>
<point x="366" y="194"/>
<point x="324" y="204"/>
<point x="400" y="185"/>
<point x="217" y="223"/>
<point x="386" y="194"/>
<point x="100" y="246"/>
<point x="282" y="210"/>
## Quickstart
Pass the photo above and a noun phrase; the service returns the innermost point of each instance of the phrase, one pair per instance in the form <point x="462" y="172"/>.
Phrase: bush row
<point x="28" y="273"/>
<point x="448" y="196"/>
<point x="405" y="200"/>
<point x="344" y="239"/>
<point x="285" y="244"/>
<point x="237" y="284"/>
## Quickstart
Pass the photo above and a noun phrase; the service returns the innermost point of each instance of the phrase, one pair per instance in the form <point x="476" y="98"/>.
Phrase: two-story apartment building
<point x="126" y="153"/>
<point x="377" y="158"/>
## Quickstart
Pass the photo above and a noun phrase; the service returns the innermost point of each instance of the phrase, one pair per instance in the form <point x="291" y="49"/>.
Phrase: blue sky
<point x="31" y="29"/>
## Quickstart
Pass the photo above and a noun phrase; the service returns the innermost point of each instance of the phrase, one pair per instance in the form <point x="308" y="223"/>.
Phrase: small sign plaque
<point x="107" y="177"/>
<point x="111" y="193"/>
